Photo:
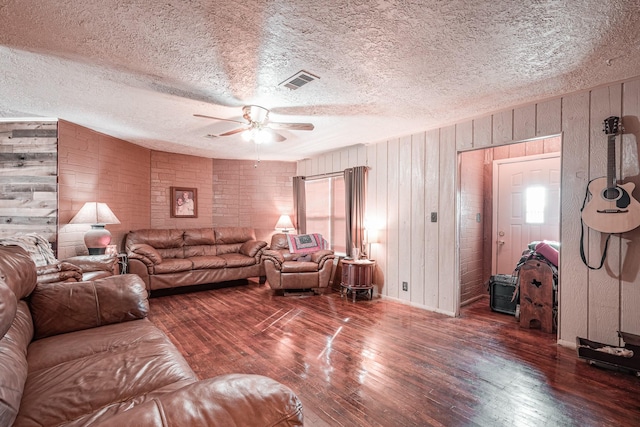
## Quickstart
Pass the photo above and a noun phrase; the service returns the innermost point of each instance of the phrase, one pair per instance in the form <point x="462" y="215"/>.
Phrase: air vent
<point x="298" y="80"/>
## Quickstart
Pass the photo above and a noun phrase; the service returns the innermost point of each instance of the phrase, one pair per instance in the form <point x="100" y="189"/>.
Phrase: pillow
<point x="306" y="243"/>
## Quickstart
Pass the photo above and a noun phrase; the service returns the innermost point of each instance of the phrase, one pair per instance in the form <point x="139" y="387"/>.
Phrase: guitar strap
<point x="606" y="244"/>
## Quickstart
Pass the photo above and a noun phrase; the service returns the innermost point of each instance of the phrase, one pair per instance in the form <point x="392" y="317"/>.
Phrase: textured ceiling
<point x="140" y="69"/>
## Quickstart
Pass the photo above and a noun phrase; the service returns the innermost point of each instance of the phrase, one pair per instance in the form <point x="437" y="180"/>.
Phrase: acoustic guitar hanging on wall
<point x="610" y="208"/>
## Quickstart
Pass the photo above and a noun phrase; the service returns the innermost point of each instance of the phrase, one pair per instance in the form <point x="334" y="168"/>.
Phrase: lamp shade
<point x="97" y="214"/>
<point x="284" y="223"/>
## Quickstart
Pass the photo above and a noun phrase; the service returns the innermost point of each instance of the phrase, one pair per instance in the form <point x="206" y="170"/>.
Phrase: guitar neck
<point x="611" y="161"/>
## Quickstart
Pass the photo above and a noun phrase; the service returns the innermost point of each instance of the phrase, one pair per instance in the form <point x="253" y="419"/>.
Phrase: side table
<point x="123" y="263"/>
<point x="357" y="276"/>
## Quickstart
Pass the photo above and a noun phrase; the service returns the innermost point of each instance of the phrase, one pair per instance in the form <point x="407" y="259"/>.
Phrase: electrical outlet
<point x="434" y="216"/>
<point x="405" y="286"/>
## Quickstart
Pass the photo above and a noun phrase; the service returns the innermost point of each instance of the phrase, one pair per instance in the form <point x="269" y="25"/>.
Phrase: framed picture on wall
<point x="184" y="202"/>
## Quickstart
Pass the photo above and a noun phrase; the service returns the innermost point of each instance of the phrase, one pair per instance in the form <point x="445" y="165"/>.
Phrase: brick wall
<point x="179" y="170"/>
<point x="135" y="182"/>
<point x="248" y="196"/>
<point x="97" y="167"/>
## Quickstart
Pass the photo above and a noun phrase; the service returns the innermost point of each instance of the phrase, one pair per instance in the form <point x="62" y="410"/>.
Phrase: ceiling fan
<point x="258" y="128"/>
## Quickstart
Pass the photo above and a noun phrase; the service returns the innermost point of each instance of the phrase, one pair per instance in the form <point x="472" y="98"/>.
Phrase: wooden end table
<point x="357" y="276"/>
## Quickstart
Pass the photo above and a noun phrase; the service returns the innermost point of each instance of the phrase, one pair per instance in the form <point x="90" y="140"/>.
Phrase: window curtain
<point x="299" y="204"/>
<point x="355" y="182"/>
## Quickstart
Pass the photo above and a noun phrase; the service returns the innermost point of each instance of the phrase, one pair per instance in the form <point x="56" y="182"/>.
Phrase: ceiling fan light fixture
<point x="257" y="135"/>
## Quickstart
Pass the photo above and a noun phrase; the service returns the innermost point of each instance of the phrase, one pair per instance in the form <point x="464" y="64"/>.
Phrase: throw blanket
<point x="37" y="246"/>
<point x="306" y="243"/>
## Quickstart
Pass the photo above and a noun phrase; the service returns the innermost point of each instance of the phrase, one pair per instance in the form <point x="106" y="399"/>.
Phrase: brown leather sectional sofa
<point x="84" y="353"/>
<point x="183" y="257"/>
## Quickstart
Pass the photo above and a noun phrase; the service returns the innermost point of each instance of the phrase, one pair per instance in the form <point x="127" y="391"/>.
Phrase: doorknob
<point x="500" y="242"/>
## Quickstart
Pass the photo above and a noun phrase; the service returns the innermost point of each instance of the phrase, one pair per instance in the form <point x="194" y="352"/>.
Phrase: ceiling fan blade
<point x="233" y="132"/>
<point x="291" y="126"/>
<point x="219" y="118"/>
<point x="275" y="136"/>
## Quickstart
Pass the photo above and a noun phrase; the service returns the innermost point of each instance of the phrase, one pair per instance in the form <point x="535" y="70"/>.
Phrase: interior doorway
<point x="476" y="211"/>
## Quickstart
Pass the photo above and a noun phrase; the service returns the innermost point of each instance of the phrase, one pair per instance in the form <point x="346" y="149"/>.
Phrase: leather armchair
<point x="287" y="271"/>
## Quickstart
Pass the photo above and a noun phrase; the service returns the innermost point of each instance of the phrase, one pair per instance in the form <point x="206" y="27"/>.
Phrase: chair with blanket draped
<point x="298" y="262"/>
<point x="50" y="270"/>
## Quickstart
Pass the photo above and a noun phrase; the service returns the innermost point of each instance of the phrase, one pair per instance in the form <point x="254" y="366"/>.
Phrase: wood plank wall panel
<point x="604" y="285"/>
<point x="574" y="285"/>
<point x="405" y="223"/>
<point x="380" y="214"/>
<point x="482" y="132"/>
<point x="432" y="229"/>
<point x="418" y="219"/>
<point x="502" y="127"/>
<point x="570" y="115"/>
<point x="524" y="122"/>
<point x="393" y="224"/>
<point x="28" y="179"/>
<point x="630" y="291"/>
<point x="464" y="135"/>
<point x="548" y="117"/>
<point x="448" y="279"/>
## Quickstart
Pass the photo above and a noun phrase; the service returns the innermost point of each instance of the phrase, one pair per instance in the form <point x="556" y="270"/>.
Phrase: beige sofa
<point x="84" y="353"/>
<point x="182" y="257"/>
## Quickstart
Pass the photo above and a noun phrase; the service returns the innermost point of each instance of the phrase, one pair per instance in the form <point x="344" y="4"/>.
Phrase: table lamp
<point x="98" y="215"/>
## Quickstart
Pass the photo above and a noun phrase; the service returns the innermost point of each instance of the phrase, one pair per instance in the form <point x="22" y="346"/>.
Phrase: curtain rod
<point x="327" y="175"/>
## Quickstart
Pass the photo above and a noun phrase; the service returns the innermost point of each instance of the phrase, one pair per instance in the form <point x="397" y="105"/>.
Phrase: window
<point x="326" y="210"/>
<point x="535" y="199"/>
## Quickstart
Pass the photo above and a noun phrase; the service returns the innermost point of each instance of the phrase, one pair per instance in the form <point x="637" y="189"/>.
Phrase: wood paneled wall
<point x="412" y="176"/>
<point x="28" y="178"/>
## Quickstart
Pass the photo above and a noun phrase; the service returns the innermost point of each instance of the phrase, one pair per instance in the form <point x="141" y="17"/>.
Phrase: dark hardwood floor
<point x="382" y="363"/>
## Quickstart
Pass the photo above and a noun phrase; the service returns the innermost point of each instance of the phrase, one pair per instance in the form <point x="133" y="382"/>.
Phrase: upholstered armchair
<point x="51" y="270"/>
<point x="310" y="269"/>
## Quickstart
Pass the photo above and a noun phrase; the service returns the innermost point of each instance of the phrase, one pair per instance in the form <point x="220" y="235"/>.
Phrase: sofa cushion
<point x="226" y="400"/>
<point x="159" y="239"/>
<point x="171" y="253"/>
<point x="13" y="363"/>
<point x="226" y="235"/>
<point x="199" y="236"/>
<point x="200" y="250"/>
<point x="60" y="308"/>
<point x="201" y="262"/>
<point x="84" y="377"/>
<point x="299" y="267"/>
<point x="238" y="260"/>
<point x="173" y="265"/>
